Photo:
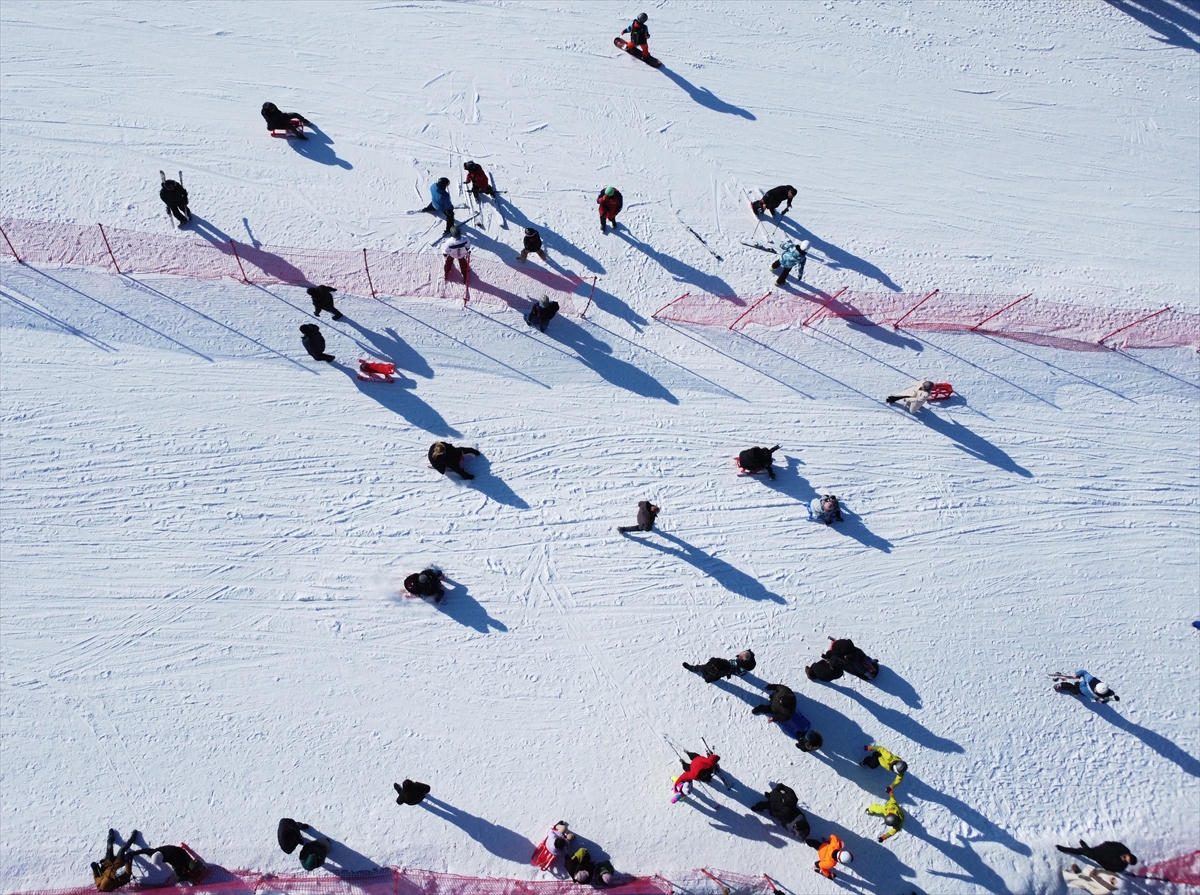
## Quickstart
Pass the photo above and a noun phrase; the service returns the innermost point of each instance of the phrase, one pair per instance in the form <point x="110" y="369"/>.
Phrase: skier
<point x="756" y="459"/>
<point x="445" y="457"/>
<point x="809" y="741"/>
<point x="460" y="249"/>
<point x="915" y="396"/>
<point x="771" y="199"/>
<point x="175" y="197"/>
<point x="782" y="704"/>
<point x="114" y="871"/>
<point x="580" y="866"/>
<point x="552" y="846"/>
<point x="792" y="256"/>
<point x="425" y="584"/>
<point x="314" y="342"/>
<point x="292" y="122"/>
<point x="716" y="668"/>
<point x="410" y="792"/>
<point x="478" y="181"/>
<point x="647" y="513"/>
<point x="1086" y="685"/>
<point x="542" y="313"/>
<point x="877" y="755"/>
<point x="532" y="243"/>
<point x="322" y="299"/>
<point x="441" y="203"/>
<point x="1115" y="857"/>
<point x="781" y="803"/>
<point x="892" y="814"/>
<point x="830" y="853"/>
<point x="611" y="202"/>
<point x="289" y="834"/>
<point x="639" y="34"/>
<point x="701" y="767"/>
<point x="314" y="853"/>
<point x="825" y="509"/>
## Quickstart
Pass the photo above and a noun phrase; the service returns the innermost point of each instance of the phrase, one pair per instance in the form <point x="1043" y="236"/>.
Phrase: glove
<point x="880" y="839"/>
<point x="888" y="790"/>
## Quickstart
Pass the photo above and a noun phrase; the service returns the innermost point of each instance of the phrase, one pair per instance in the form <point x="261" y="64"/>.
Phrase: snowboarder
<point x="478" y="180"/>
<point x="292" y="122"/>
<point x="639" y="34"/>
<point x="825" y="509"/>
<point x="647" y="513"/>
<point x="552" y="846"/>
<point x="114" y="871"/>
<point x="771" y="199"/>
<point x="425" y="584"/>
<point x="1087" y="686"/>
<point x="542" y="313"/>
<point x="445" y="457"/>
<point x="314" y="342"/>
<point x="1115" y="857"/>
<point x="809" y="741"/>
<point x="410" y="792"/>
<point x="532" y="243"/>
<point x="892" y="814"/>
<point x="830" y="853"/>
<point x="844" y="656"/>
<point x="877" y="755"/>
<point x="716" y="668"/>
<point x="781" y="707"/>
<point x="175" y="197"/>
<point x="781" y="803"/>
<point x="441" y="203"/>
<point x="289" y="834"/>
<point x="322" y="299"/>
<point x="915" y="396"/>
<point x="756" y="459"/>
<point x="460" y="249"/>
<point x="701" y="767"/>
<point x="792" y="255"/>
<point x="580" y="866"/>
<point x="611" y="202"/>
<point x="314" y="853"/>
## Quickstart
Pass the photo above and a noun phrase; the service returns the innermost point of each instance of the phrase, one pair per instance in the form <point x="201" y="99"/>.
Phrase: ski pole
<point x="774" y="886"/>
<point x="724" y="888"/>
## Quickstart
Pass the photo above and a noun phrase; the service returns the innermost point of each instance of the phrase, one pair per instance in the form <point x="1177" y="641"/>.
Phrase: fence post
<point x="668" y="304"/>
<point x="589" y="304"/>
<point x="896" y="325"/>
<point x="466" y="288"/>
<point x="1135" y="323"/>
<point x="238" y="258"/>
<point x="670" y="885"/>
<point x="10" y="246"/>
<point x="998" y="313"/>
<point x="107" y="246"/>
<point x="749" y="309"/>
<point x="832" y="298"/>
<point x="367" y="268"/>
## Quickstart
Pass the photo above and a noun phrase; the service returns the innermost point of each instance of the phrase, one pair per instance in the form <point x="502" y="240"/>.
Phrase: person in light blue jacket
<point x="1087" y="686"/>
<point x="441" y="203"/>
<point x="792" y="256"/>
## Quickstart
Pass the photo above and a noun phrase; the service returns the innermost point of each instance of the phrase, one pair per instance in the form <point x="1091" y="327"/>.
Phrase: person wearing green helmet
<point x="611" y="202"/>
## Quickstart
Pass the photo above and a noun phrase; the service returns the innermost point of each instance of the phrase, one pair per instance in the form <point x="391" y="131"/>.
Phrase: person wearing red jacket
<point x="611" y="202"/>
<point x="478" y="180"/>
<point x="701" y="767"/>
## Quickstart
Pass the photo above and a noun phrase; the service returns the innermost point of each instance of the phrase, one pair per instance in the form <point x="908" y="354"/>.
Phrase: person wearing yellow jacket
<point x="893" y="816"/>
<point x="877" y="755"/>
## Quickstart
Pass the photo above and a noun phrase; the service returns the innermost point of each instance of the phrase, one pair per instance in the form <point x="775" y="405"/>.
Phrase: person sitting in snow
<point x="445" y="457"/>
<point x="915" y="396"/>
<point x="115" y="870"/>
<point x="1088" y="686"/>
<point x="782" y="705"/>
<point x="425" y="584"/>
<point x="756" y="459"/>
<point x="825" y="508"/>
<point x="647" y="513"/>
<point x="553" y="845"/>
<point x="717" y="668"/>
<point x="1115" y="857"/>
<point x="410" y="792"/>
<point x="292" y="122"/>
<point x="542" y="313"/>
<point x="580" y="866"/>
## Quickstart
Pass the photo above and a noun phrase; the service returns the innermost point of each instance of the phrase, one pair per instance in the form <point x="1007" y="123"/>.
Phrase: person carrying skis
<point x="542" y="313"/>
<point x="445" y="457"/>
<point x="771" y="199"/>
<point x="647" y="513"/>
<point x="611" y="202"/>
<point x="114" y="871"/>
<point x="793" y="255"/>
<point x="701" y="767"/>
<point x="825" y="509"/>
<point x="314" y="343"/>
<point x="580" y="866"/>
<point x="781" y="707"/>
<point x="892" y="814"/>
<point x="410" y="792"/>
<point x="478" y="181"/>
<point x="639" y="34"/>
<point x="425" y="584"/>
<point x="1087" y="686"/>
<point x="717" y="668"/>
<point x="459" y="249"/>
<point x="781" y="803"/>
<point x="441" y="203"/>
<point x="532" y="243"/>
<point x="1115" y="857"/>
<point x="322" y="299"/>
<point x="877" y="756"/>
<point x="285" y="121"/>
<point x="915" y="396"/>
<point x="756" y="459"/>
<point x="175" y="197"/>
<point x="830" y="853"/>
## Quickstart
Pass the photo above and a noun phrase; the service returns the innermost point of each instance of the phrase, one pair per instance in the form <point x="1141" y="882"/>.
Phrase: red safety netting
<point x="1182" y="869"/>
<point x="353" y="272"/>
<point x="1019" y="317"/>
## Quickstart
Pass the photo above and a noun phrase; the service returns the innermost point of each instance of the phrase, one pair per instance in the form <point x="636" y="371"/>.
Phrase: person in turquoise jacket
<point x="1086" y="685"/>
<point x="792" y="256"/>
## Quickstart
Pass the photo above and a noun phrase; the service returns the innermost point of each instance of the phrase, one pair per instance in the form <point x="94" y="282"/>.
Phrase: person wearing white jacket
<point x="913" y="397"/>
<point x="154" y="871"/>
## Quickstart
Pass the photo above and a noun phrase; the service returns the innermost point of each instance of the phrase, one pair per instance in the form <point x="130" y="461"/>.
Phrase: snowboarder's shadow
<point x="343" y="861"/>
<point x="598" y="356"/>
<point x="901" y="723"/>
<point x="318" y="148"/>
<point x="732" y="579"/>
<point x="499" y="841"/>
<point x="872" y="860"/>
<point x="1156" y="741"/>
<point x="837" y="258"/>
<point x="852" y="526"/>
<point x="705" y="97"/>
<point x="683" y="272"/>
<point x="460" y="606"/>
<point x="396" y="397"/>
<point x="553" y="241"/>
<point x="724" y="819"/>
<point x="970" y="443"/>
<point x="976" y="871"/>
<point x="491" y="486"/>
<point x="391" y="347"/>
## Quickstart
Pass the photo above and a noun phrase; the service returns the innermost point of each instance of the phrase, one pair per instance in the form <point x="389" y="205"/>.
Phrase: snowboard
<point x="637" y="54"/>
<point x="375" y="371"/>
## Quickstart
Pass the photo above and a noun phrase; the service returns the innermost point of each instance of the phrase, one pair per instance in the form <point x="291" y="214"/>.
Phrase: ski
<point x="761" y="247"/>
<point x="720" y="773"/>
<point x="702" y="242"/>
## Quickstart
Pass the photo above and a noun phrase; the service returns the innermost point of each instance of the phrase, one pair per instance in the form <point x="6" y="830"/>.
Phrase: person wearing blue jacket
<point x="441" y="202"/>
<point x="1087" y="686"/>
<point x="792" y="256"/>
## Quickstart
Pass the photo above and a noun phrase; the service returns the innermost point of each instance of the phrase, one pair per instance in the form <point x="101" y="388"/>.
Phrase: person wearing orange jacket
<point x="830" y="853"/>
<point x="611" y="202"/>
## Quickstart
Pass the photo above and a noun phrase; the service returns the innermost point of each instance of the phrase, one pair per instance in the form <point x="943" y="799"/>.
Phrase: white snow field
<point x="204" y="531"/>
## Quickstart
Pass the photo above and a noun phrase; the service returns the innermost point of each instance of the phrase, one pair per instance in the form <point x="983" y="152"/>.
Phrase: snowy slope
<point x="203" y="533"/>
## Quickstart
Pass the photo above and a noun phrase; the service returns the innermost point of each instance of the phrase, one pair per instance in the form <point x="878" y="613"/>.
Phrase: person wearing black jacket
<point x="445" y="457"/>
<point x="289" y="835"/>
<point x="781" y="803"/>
<point x="782" y="705"/>
<point x="756" y="459"/>
<point x="717" y="668"/>
<point x="425" y="584"/>
<point x="284" y="121"/>
<point x="647" y="513"/>
<point x="410" y="792"/>
<point x="1115" y="857"/>
<point x="322" y="299"/>
<point x="771" y="199"/>
<point x="542" y="313"/>
<point x="175" y="197"/>
<point x="314" y="342"/>
<point x="532" y="243"/>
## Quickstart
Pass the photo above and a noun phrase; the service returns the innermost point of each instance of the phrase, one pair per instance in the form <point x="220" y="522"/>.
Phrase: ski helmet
<point x="812" y="741"/>
<point x="641" y="19"/>
<point x="804" y="244"/>
<point x="845" y="856"/>
<point x="900" y="766"/>
<point x="443" y="182"/>
<point x="423" y="578"/>
<point x="891" y="820"/>
<point x="529" y="231"/>
<point x="455" y="231"/>
<point x="610" y="191"/>
<point x="1101" y="688"/>
<point x="470" y="165"/>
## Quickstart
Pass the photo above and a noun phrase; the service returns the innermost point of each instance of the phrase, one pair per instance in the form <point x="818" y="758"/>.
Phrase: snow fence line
<point x="1019" y="317"/>
<point x="209" y="254"/>
<point x="408" y="881"/>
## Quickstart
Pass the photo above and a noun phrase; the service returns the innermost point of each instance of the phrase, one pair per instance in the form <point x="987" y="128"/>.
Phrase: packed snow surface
<point x="204" y="531"/>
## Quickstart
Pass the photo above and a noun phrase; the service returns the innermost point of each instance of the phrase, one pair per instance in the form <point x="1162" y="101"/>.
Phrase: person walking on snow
<point x="114" y="871"/>
<point x="771" y="199"/>
<point x="1115" y="857"/>
<point x="915" y="396"/>
<point x="639" y="34"/>
<point x="830" y="853"/>
<point x="314" y="343"/>
<point x="792" y="256"/>
<point x="611" y="202"/>
<point x="532" y="243"/>
<point x="892" y="814"/>
<point x="410" y="792"/>
<point x="441" y="203"/>
<point x="781" y="707"/>
<point x="1087" y="686"/>
<point x="716" y="668"/>
<point x="459" y="249"/>
<point x="175" y="197"/>
<point x="877" y="756"/>
<point x="756" y="459"/>
<point x="647" y="513"/>
<point x="322" y="299"/>
<point x="478" y="181"/>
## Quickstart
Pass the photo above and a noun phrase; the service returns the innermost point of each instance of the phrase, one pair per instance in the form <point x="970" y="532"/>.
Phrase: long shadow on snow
<point x="732" y="579"/>
<point x="490" y="486"/>
<point x="1156" y="741"/>
<point x="969" y="443"/>
<point x="459" y="605"/>
<point x="682" y="272"/>
<point x="553" y="240"/>
<point x="915" y="788"/>
<point x="876" y="867"/>
<point x="976" y="871"/>
<point x="725" y="820"/>
<point x="852" y="527"/>
<point x="597" y="356"/>
<point x="789" y="482"/>
<point x="499" y="841"/>
<point x="318" y="148"/>
<point x="1167" y="19"/>
<point x="391" y="347"/>
<point x="38" y="313"/>
<point x="343" y="861"/>
<point x="901" y="723"/>
<point x="891" y="682"/>
<point x="396" y="398"/>
<point x="837" y="258"/>
<point x="704" y="96"/>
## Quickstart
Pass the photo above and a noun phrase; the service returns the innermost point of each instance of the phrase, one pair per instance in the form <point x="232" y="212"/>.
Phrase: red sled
<point x="737" y="462"/>
<point x="277" y="132"/>
<point x="375" y="371"/>
<point x="542" y="858"/>
<point x="940" y="391"/>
